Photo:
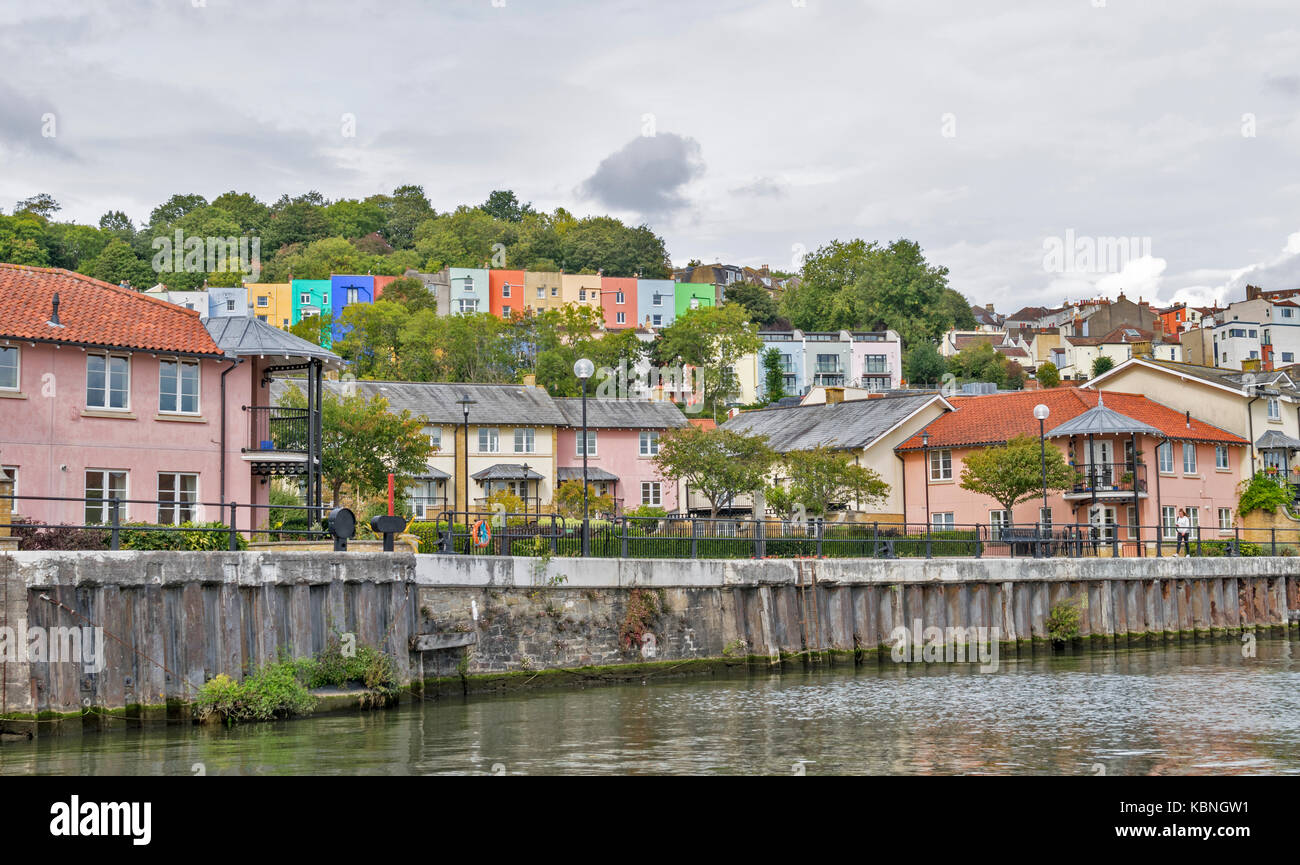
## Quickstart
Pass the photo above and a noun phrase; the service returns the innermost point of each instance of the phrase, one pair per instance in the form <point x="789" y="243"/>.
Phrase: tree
<point x="821" y="477"/>
<point x="117" y="263"/>
<point x="176" y="207"/>
<point x="411" y="293"/>
<point x="1048" y="375"/>
<point x="314" y="328"/>
<point x="711" y="339"/>
<point x="773" y="375"/>
<point x="405" y="210"/>
<point x="42" y="205"/>
<point x="1013" y="473"/>
<point x="502" y="204"/>
<point x="1102" y="364"/>
<point x="923" y="365"/>
<point x="117" y="224"/>
<point x="568" y="500"/>
<point x="718" y="463"/>
<point x="362" y="441"/>
<point x="756" y="300"/>
<point x="980" y="362"/>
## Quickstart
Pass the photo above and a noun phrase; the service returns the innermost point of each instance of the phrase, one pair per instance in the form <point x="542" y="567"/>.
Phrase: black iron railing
<point x="277" y="429"/>
<point x="1110" y="477"/>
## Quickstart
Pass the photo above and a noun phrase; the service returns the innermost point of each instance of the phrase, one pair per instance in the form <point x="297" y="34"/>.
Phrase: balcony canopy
<point x="1275" y="440"/>
<point x="574" y="473"/>
<point x="249" y="337"/>
<point x="1100" y="420"/>
<point x="506" y="472"/>
<point x="431" y="473"/>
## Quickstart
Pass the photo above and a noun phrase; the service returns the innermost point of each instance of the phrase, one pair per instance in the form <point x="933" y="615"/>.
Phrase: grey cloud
<point x="1288" y="85"/>
<point x="22" y="119"/>
<point x="761" y="187"/>
<point x="646" y="176"/>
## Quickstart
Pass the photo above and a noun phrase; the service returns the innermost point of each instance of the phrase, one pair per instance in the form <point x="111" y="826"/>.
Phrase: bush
<point x="366" y="666"/>
<point x="57" y="538"/>
<point x="274" y="691"/>
<point x="1063" y="621"/>
<point x="213" y="536"/>
<point x="1262" y="493"/>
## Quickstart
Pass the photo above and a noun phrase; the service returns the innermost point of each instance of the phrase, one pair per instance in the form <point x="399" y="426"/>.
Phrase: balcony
<point x="1108" y="479"/>
<point x="429" y="507"/>
<point x="831" y="379"/>
<point x="277" y="439"/>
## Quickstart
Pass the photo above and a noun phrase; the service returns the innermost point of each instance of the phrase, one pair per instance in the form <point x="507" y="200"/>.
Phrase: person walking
<point x="1184" y="526"/>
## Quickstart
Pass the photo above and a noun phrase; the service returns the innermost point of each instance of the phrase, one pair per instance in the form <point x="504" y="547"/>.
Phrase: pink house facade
<point x="623" y="437"/>
<point x="113" y="394"/>
<point x="1137" y="465"/>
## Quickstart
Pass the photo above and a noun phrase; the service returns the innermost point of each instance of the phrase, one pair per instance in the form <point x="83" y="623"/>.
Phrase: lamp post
<point x="925" y="445"/>
<point x="583" y="369"/>
<point x="464" y="402"/>
<point x="1041" y="411"/>
<point x="525" y="493"/>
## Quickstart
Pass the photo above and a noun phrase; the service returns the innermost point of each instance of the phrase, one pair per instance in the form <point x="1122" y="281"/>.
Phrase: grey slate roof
<point x="433" y="473"/>
<point x="247" y="336"/>
<point x="622" y="413"/>
<point x="1100" y="420"/>
<point x="574" y="473"/>
<point x="1233" y="378"/>
<point x="1276" y="439"/>
<point x="848" y="425"/>
<point x="507" y="472"/>
<point x="504" y="404"/>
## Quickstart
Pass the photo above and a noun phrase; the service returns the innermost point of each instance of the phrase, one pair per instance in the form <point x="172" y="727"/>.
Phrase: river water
<point x="1178" y="709"/>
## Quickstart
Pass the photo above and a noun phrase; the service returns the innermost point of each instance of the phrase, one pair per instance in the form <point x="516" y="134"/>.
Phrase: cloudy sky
<point x="1167" y="134"/>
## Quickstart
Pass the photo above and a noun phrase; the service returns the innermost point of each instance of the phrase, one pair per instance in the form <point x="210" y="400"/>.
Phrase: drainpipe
<point x="1250" y="419"/>
<point x="236" y="362"/>
<point x="1160" y="511"/>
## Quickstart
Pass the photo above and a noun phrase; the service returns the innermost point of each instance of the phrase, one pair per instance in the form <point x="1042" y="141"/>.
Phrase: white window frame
<point x="657" y="320"/>
<point x="304" y="297"/>
<point x="525" y="440"/>
<point x="11" y="473"/>
<point x="108" y="389"/>
<point x="1045" y="519"/>
<point x="1226" y="519"/>
<point x="1189" y="454"/>
<point x="491" y="437"/>
<point x="541" y="292"/>
<point x="505" y="312"/>
<point x="649" y="442"/>
<point x="105" y="488"/>
<point x="263" y="301"/>
<point x="505" y="289"/>
<point x="1163" y="450"/>
<point x="180" y="364"/>
<point x="1169" y="522"/>
<point x="1222" y="460"/>
<point x="651" y="493"/>
<point x="620" y="318"/>
<point x="940" y="459"/>
<point x="181" y="509"/>
<point x="591" y="443"/>
<point x="1274" y="408"/>
<point x="230" y="304"/>
<point x="435" y="436"/>
<point x="942" y="521"/>
<point x="998" y="520"/>
<point x="17" y="367"/>
<point x="620" y="297"/>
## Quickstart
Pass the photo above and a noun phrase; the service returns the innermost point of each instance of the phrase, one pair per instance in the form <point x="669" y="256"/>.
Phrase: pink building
<point x="618" y="301"/>
<point x="109" y="393"/>
<point x="1137" y="463"/>
<point x="877" y="360"/>
<point x="623" y="439"/>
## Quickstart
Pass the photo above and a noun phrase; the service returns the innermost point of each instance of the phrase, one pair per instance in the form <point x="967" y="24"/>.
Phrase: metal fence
<point x="681" y="537"/>
<point x="232" y="522"/>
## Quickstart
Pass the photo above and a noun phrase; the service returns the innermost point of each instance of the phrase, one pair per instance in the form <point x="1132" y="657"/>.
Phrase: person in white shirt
<point x="1184" y="526"/>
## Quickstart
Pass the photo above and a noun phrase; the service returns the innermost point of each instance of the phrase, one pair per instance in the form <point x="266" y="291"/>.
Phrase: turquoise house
<point x="469" y="290"/>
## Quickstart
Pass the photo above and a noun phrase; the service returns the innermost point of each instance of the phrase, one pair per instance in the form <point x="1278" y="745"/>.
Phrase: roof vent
<point x="54" y="312"/>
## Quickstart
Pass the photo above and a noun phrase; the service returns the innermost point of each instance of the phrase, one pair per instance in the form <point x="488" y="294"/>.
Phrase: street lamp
<point x="464" y="402"/>
<point x="925" y="445"/>
<point x="525" y="493"/>
<point x="583" y="369"/>
<point x="1041" y="411"/>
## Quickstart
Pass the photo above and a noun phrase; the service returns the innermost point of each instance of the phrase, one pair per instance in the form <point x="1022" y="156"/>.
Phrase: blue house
<point x="345" y="291"/>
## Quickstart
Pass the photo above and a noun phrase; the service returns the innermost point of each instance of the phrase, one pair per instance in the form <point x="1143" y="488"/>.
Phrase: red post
<point x="390" y="494"/>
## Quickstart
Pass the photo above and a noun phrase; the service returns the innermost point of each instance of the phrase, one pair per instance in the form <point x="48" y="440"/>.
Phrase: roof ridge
<point x="99" y="283"/>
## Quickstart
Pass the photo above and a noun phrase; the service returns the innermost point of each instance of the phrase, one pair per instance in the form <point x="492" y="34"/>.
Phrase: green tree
<point x="248" y="212"/>
<point x="118" y="263"/>
<point x="1013" y="473"/>
<point x="821" y="477"/>
<point x="718" y="463"/>
<point x="980" y="362"/>
<point x="568" y="500"/>
<point x="362" y="441"/>
<point x="42" y="205"/>
<point x="175" y="207"/>
<point x="351" y="218"/>
<point x="773" y="375"/>
<point x="404" y="210"/>
<point x="314" y="328"/>
<point x="1048" y="375"/>
<point x="712" y="340"/>
<point x="410" y="293"/>
<point x="502" y="204"/>
<point x="756" y="300"/>
<point x="1102" y="364"/>
<point x="924" y="365"/>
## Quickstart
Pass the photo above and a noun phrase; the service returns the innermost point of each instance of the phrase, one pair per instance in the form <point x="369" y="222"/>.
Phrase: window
<point x="8" y="367"/>
<point x="943" y="521"/>
<point x="941" y="465"/>
<point x="651" y="494"/>
<point x="435" y="436"/>
<point x="1169" y="522"/>
<point x="658" y="299"/>
<point x="555" y="291"/>
<point x="1288" y="357"/>
<point x="10" y="473"/>
<point x="657" y="320"/>
<point x="1189" y="458"/>
<point x="353" y="294"/>
<point x="488" y="440"/>
<point x="1274" y="409"/>
<point x="230" y="304"/>
<point x="997" y="522"/>
<point x="591" y="443"/>
<point x="1286" y="312"/>
<point x="541" y="291"/>
<point x="1221" y="458"/>
<point x="582" y="294"/>
<point x="304" y="298"/>
<point x="1132" y="521"/>
<point x="505" y="289"/>
<point x="1045" y="519"/>
<point x="468" y="305"/>
<point x="619" y="297"/>
<point x="649" y="443"/>
<point x="524" y="442"/>
<point x="1165" y="458"/>
<point x="875" y="364"/>
<point x="263" y="301"/>
<point x="505" y="312"/>
<point x="620" y="318"/>
<point x="178" y="386"/>
<point x="284" y="322"/>
<point x="104" y="484"/>
<point x="1225" y="519"/>
<point x="261" y="318"/>
<point x="176" y="497"/>
<point x="108" y="381"/>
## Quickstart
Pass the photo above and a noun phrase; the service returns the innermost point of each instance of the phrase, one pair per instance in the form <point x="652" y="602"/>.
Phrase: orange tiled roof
<point x="95" y="313"/>
<point x="994" y="419"/>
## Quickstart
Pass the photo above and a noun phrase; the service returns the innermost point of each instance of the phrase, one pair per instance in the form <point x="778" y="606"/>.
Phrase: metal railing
<point x="679" y="536"/>
<point x="275" y="428"/>
<point x="1110" y="477"/>
<point x="236" y="522"/>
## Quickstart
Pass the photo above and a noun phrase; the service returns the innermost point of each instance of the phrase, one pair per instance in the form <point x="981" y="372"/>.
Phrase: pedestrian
<point x="1184" y="526"/>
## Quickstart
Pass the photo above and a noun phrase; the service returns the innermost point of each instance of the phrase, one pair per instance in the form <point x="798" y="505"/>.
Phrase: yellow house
<point x="581" y="288"/>
<point x="542" y="290"/>
<point x="272" y="302"/>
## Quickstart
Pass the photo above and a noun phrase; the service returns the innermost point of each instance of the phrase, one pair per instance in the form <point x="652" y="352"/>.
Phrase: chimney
<point x="54" y="312"/>
<point x="1189" y="419"/>
<point x="1251" y="364"/>
<point x="834" y="395"/>
<point x="989" y="307"/>
<point x="530" y="380"/>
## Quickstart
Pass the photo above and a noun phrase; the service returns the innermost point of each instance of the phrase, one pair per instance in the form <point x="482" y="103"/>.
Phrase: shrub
<point x="213" y="536"/>
<point x="58" y="538"/>
<point x="1262" y="493"/>
<point x="273" y="691"/>
<point x="1063" y="621"/>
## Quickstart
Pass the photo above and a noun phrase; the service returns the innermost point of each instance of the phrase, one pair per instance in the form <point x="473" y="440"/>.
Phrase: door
<point x="1102" y="456"/>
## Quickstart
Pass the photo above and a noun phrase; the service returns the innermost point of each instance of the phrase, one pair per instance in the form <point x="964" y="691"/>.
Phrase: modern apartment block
<point x="863" y="359"/>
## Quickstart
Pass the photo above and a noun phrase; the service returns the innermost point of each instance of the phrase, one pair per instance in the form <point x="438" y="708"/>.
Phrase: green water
<point x="1198" y="709"/>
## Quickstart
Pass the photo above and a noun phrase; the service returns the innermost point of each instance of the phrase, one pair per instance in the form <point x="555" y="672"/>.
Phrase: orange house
<point x="506" y="292"/>
<point x="618" y="301"/>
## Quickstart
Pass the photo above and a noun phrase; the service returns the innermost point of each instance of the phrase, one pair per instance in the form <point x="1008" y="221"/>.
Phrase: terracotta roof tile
<point x="95" y="313"/>
<point x="997" y="418"/>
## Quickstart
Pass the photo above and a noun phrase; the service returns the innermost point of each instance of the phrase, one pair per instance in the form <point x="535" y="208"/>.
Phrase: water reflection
<point x="1200" y="709"/>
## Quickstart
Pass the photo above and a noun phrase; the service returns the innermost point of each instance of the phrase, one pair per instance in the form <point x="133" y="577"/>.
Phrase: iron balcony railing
<point x="277" y="429"/>
<point x="1109" y="478"/>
